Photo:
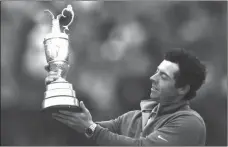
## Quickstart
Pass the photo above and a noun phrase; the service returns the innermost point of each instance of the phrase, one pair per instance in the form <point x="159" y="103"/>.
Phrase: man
<point x="165" y="119"/>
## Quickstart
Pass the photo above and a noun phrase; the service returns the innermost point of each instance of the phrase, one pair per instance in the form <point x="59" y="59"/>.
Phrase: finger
<point x="70" y="120"/>
<point x="46" y="67"/>
<point x="52" y="76"/>
<point x="66" y="112"/>
<point x="48" y="80"/>
<point x="69" y="115"/>
<point x="66" y="122"/>
<point x="82" y="105"/>
<point x="66" y="117"/>
<point x="53" y="73"/>
<point x="59" y="118"/>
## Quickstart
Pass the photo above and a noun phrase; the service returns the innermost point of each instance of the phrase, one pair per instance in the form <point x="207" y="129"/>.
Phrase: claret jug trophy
<point x="59" y="94"/>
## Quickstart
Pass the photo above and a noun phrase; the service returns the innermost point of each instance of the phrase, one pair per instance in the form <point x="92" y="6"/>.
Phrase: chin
<point x="154" y="97"/>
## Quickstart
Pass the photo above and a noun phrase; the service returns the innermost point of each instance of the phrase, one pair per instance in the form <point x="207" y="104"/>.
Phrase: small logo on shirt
<point x="160" y="137"/>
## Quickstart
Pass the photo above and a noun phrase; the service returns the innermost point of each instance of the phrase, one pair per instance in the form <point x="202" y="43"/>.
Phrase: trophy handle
<point x="69" y="9"/>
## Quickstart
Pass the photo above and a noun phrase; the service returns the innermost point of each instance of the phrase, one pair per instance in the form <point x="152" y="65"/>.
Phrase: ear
<point x="183" y="90"/>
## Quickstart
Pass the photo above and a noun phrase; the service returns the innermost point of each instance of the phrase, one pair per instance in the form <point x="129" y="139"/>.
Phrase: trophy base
<point x="60" y="96"/>
<point x="57" y="108"/>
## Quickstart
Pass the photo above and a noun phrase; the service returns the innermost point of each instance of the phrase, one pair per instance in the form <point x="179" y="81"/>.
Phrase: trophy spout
<point x="55" y="29"/>
<point x="49" y="12"/>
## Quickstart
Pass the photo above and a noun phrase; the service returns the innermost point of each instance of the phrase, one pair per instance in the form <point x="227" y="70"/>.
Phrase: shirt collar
<point x="147" y="105"/>
<point x="155" y="107"/>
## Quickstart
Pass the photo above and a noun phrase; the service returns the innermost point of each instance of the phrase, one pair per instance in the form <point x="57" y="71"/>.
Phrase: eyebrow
<point x="164" y="73"/>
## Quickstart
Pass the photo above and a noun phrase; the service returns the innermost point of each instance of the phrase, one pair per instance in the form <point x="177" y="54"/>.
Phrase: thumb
<point x="82" y="105"/>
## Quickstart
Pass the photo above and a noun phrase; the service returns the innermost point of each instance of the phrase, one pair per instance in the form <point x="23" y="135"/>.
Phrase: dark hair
<point x="191" y="71"/>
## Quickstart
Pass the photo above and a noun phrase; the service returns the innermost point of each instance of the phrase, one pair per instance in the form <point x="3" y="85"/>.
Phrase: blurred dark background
<point x="115" y="48"/>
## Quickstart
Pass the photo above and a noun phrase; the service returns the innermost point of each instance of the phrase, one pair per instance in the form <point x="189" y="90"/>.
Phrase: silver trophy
<point x="59" y="94"/>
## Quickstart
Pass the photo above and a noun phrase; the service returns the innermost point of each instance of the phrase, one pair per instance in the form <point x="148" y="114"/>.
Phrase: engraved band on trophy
<point x="59" y="94"/>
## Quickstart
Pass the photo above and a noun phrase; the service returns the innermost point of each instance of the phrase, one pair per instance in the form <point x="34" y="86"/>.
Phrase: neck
<point x="171" y="101"/>
<point x="163" y="108"/>
<point x="172" y="106"/>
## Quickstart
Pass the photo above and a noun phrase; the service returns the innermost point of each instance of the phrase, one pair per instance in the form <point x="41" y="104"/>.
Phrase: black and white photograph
<point x="114" y="73"/>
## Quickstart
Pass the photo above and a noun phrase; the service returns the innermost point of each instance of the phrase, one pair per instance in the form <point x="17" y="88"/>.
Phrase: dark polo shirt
<point x="175" y="124"/>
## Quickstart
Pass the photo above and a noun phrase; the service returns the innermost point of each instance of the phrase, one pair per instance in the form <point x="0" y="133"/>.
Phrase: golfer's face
<point x="163" y="83"/>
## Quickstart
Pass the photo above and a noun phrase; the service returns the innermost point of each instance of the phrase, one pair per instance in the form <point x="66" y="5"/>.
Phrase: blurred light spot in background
<point x="59" y="5"/>
<point x="9" y="86"/>
<point x="137" y="63"/>
<point x="209" y="81"/>
<point x="132" y="33"/>
<point x="195" y="28"/>
<point x="210" y="73"/>
<point x="15" y="5"/>
<point x="113" y="50"/>
<point x="7" y="55"/>
<point x="35" y="60"/>
<point x="123" y="38"/>
<point x="28" y="8"/>
<point x="9" y="92"/>
<point x="87" y="6"/>
<point x="100" y="87"/>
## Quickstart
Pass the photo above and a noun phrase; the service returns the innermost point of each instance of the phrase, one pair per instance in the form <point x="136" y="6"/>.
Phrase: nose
<point x="154" y="78"/>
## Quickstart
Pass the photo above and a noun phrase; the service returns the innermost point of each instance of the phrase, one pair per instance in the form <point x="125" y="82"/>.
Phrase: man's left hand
<point x="79" y="121"/>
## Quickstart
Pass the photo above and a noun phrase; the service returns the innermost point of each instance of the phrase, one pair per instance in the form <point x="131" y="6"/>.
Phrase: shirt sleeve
<point x="114" y="124"/>
<point x="184" y="130"/>
<point x="111" y="125"/>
